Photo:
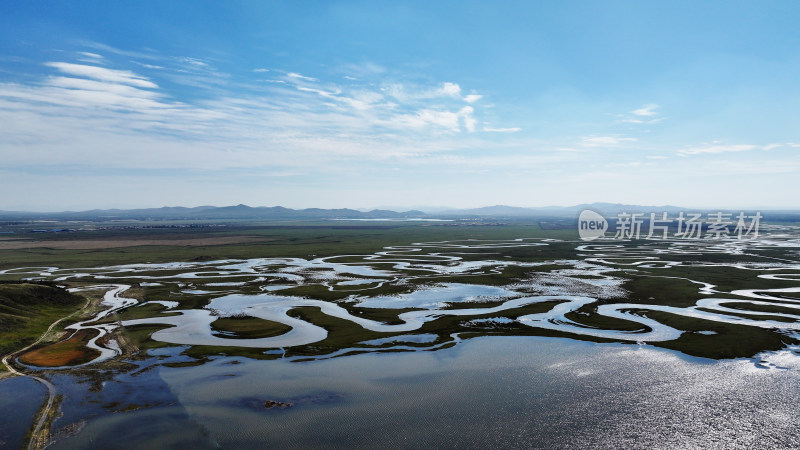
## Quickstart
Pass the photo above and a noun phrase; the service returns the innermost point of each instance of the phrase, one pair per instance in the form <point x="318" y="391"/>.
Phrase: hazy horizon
<point x="423" y="208"/>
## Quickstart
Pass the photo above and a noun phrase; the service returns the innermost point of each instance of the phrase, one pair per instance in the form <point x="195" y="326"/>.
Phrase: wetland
<point x="393" y="334"/>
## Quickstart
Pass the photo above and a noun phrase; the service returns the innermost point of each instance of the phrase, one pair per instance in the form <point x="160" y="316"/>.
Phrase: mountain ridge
<point x="245" y="212"/>
<point x="239" y="211"/>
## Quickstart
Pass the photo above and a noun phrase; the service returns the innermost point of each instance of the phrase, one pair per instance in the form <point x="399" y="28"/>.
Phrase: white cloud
<point x="449" y="121"/>
<point x="426" y="117"/>
<point x="362" y="100"/>
<point x="416" y="109"/>
<point x="193" y="62"/>
<point x="469" y="120"/>
<point x="647" y="114"/>
<point x="260" y="70"/>
<point x="319" y="91"/>
<point x="94" y="117"/>
<point x="149" y="66"/>
<point x="131" y="54"/>
<point x="605" y="141"/>
<point x="397" y="91"/>
<point x="646" y="111"/>
<point x="300" y="77"/>
<point x="775" y="145"/>
<point x="103" y="74"/>
<point x="449" y="90"/>
<point x="472" y="98"/>
<point x="83" y="100"/>
<point x="502" y="130"/>
<point x="716" y="149"/>
<point x="407" y="94"/>
<point x="90" y="55"/>
<point x="80" y="84"/>
<point x="638" y="121"/>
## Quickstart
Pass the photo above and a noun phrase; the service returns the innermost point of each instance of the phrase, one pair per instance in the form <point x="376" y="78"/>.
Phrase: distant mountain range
<point x="239" y="212"/>
<point x="602" y="208"/>
<point x="244" y="212"/>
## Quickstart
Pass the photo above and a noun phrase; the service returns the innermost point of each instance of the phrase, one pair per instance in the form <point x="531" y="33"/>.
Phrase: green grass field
<point x="304" y="240"/>
<point x="27" y="310"/>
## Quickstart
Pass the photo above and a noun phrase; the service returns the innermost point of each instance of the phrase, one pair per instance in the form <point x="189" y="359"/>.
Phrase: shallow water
<point x="440" y="296"/>
<point x="491" y="391"/>
<point x="19" y="400"/>
<point x="135" y="409"/>
<point x="498" y="391"/>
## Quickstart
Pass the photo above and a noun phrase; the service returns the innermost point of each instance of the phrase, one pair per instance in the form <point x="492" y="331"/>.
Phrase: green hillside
<point x="26" y="310"/>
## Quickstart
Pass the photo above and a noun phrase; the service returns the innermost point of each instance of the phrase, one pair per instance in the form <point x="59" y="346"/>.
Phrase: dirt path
<point x="35" y="440"/>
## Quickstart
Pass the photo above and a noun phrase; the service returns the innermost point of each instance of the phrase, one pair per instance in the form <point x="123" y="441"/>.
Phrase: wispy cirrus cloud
<point x="395" y="106"/>
<point x="647" y="114"/>
<point x="606" y="141"/>
<point x="102" y="116"/>
<point x="192" y="62"/>
<point x="410" y="93"/>
<point x="716" y="148"/>
<point x="646" y="110"/>
<point x="94" y="92"/>
<point x="502" y="130"/>
<point x="83" y="91"/>
<point x="300" y="77"/>
<point x="147" y="66"/>
<point x="358" y="71"/>
<point x="103" y="74"/>
<point x="105" y="48"/>
<point x="90" y="55"/>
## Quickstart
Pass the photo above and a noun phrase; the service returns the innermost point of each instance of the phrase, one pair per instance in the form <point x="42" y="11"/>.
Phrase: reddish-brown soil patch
<point x="68" y="352"/>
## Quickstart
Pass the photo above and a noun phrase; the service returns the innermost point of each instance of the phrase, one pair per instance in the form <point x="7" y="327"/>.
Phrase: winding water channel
<point x="582" y="282"/>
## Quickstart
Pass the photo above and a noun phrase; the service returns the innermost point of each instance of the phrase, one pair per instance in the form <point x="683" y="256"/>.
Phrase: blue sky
<point x="361" y="104"/>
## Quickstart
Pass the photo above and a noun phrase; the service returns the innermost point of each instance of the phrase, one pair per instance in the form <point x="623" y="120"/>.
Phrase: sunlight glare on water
<point x="505" y="391"/>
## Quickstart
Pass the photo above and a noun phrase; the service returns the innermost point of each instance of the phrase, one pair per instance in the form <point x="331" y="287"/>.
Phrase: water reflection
<point x="506" y="391"/>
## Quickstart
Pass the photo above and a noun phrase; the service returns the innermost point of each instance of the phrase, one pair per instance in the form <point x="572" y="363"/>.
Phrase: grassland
<point x="245" y="327"/>
<point x="303" y="240"/>
<point x="27" y="310"/>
